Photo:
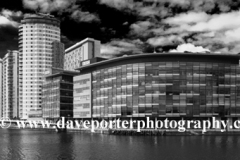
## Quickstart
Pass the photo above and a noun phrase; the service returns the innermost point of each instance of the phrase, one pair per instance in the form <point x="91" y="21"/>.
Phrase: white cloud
<point x="216" y="32"/>
<point x="5" y="21"/>
<point x="123" y="44"/>
<point x="48" y="5"/>
<point x="152" y="11"/>
<point x="140" y="28"/>
<point x="180" y="2"/>
<point x="118" y="4"/>
<point x="224" y="8"/>
<point x="117" y="47"/>
<point x="190" y="17"/>
<point x="148" y="11"/>
<point x="199" y="27"/>
<point x="158" y="31"/>
<point x="165" y="40"/>
<point x="108" y="50"/>
<point x="6" y="17"/>
<point x="202" y="22"/>
<point x="219" y="32"/>
<point x="219" y="22"/>
<point x="208" y="34"/>
<point x="232" y="35"/>
<point x="190" y="48"/>
<point x="81" y="16"/>
<point x="7" y="13"/>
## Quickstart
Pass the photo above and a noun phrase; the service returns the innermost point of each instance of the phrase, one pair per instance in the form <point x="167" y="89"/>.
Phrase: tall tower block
<point x="36" y="36"/>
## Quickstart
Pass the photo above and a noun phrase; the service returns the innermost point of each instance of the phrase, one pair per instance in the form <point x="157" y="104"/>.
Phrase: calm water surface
<point x="45" y="145"/>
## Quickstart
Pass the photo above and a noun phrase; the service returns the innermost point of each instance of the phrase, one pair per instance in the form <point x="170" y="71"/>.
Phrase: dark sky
<point x="133" y="27"/>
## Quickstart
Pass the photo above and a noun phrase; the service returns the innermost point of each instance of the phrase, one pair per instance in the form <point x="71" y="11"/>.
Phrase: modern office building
<point x="57" y="100"/>
<point x="173" y="85"/>
<point x="39" y="43"/>
<point x="9" y="85"/>
<point x="80" y="52"/>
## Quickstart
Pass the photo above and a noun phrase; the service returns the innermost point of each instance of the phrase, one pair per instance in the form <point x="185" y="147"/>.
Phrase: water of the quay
<point x="18" y="144"/>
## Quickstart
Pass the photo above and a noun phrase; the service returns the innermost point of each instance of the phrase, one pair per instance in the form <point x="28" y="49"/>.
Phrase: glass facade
<point x="167" y="89"/>
<point x="57" y="97"/>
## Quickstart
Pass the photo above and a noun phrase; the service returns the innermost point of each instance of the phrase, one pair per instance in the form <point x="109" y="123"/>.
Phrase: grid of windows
<point x="162" y="89"/>
<point x="57" y="97"/>
<point x="82" y="96"/>
<point x="36" y="35"/>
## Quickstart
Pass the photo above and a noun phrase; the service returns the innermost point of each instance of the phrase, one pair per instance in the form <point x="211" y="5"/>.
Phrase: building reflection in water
<point x="35" y="144"/>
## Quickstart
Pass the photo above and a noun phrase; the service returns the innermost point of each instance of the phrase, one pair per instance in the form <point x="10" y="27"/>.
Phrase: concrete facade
<point x="81" y="51"/>
<point x="37" y="34"/>
<point x="9" y="87"/>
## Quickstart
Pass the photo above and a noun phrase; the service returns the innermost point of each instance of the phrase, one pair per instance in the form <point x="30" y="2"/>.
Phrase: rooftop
<point x="171" y="56"/>
<point x="64" y="72"/>
<point x="40" y="18"/>
<point x="39" y="15"/>
<point x="79" y="44"/>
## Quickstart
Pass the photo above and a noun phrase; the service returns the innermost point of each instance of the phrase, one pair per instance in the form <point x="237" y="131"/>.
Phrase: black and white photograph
<point x="119" y="79"/>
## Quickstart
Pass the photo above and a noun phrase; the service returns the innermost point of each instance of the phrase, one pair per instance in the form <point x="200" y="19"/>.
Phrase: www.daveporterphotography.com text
<point x="180" y="125"/>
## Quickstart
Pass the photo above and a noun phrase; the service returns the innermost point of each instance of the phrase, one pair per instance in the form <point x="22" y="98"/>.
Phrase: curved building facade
<point x="36" y="36"/>
<point x="161" y="85"/>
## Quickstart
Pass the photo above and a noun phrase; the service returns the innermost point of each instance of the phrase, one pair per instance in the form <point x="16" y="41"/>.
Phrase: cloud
<point x="121" y="47"/>
<point x="162" y="24"/>
<point x="163" y="7"/>
<point x="179" y="2"/>
<point x="5" y="21"/>
<point x="185" y="22"/>
<point x="153" y="10"/>
<point x="48" y="5"/>
<point x="131" y="4"/>
<point x="199" y="22"/>
<point x="212" y="24"/>
<point x="202" y="5"/>
<point x="165" y="40"/>
<point x="190" y="48"/>
<point x="7" y="18"/>
<point x="186" y="18"/>
<point x="141" y="28"/>
<point x="7" y="13"/>
<point x="219" y="22"/>
<point x="9" y="22"/>
<point x="145" y="8"/>
<point x="109" y="51"/>
<point x="218" y="32"/>
<point x="232" y="35"/>
<point x="119" y="4"/>
<point x="224" y="8"/>
<point x="81" y="16"/>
